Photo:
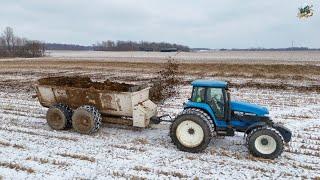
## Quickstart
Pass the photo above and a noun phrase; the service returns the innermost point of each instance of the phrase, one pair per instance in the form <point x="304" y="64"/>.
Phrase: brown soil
<point x="100" y="69"/>
<point x="224" y="69"/>
<point x="313" y="88"/>
<point x="85" y="82"/>
<point x="164" y="85"/>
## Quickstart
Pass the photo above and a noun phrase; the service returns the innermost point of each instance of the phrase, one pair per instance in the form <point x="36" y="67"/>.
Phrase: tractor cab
<point x="214" y="94"/>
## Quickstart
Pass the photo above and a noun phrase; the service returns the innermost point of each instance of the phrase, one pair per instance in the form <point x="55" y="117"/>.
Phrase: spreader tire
<point x="191" y="131"/>
<point x="59" y="117"/>
<point x="86" y="119"/>
<point x="265" y="142"/>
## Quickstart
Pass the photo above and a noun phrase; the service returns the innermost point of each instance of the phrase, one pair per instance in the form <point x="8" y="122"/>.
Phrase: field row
<point x="146" y="153"/>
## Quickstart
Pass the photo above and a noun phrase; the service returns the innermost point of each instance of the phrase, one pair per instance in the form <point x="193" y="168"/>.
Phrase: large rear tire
<point x="191" y="131"/>
<point x="86" y="119"/>
<point x="265" y="142"/>
<point x="59" y="117"/>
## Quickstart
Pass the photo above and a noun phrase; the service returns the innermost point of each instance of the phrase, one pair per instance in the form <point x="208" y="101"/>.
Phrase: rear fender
<point x="204" y="107"/>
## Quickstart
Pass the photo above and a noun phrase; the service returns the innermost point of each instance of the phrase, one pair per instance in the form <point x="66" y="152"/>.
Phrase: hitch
<point x="158" y="119"/>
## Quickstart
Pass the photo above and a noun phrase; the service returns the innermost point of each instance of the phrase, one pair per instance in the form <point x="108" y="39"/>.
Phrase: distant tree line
<point x="71" y="47"/>
<point x="273" y="49"/>
<point x="14" y="46"/>
<point x="138" y="46"/>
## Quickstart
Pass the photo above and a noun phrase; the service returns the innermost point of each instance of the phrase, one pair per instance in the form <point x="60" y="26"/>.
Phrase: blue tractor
<point x="210" y="112"/>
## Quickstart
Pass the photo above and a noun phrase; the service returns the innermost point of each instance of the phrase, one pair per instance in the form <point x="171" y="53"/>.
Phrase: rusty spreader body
<point x="134" y="106"/>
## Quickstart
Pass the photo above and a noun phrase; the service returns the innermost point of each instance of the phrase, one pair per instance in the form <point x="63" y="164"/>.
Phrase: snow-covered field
<point x="29" y="149"/>
<point x="236" y="56"/>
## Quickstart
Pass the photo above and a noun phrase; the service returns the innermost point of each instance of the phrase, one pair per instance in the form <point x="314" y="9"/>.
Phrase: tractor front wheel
<point x="190" y="131"/>
<point x="265" y="142"/>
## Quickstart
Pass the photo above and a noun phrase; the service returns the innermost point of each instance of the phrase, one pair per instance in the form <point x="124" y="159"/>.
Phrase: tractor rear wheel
<point x="265" y="142"/>
<point x="191" y="131"/>
<point x="59" y="117"/>
<point x="86" y="119"/>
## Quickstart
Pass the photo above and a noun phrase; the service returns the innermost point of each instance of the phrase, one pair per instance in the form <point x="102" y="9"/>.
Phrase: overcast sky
<point x="201" y="23"/>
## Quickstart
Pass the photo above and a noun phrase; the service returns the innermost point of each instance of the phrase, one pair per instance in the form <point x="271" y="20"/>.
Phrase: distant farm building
<point x="169" y="50"/>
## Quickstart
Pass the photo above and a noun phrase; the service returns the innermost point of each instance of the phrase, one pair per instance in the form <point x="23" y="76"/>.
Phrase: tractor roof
<point x="210" y="83"/>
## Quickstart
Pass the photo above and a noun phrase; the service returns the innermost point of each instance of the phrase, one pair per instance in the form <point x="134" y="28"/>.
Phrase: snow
<point x="236" y="56"/>
<point x="26" y="142"/>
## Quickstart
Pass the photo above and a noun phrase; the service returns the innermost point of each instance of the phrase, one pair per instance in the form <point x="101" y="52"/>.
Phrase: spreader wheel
<point x="59" y="117"/>
<point x="86" y="119"/>
<point x="265" y="142"/>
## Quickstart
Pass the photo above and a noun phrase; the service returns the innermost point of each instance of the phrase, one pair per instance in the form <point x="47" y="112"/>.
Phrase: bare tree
<point x="3" y="50"/>
<point x="12" y="46"/>
<point x="32" y="49"/>
<point x="9" y="39"/>
<point x="2" y="41"/>
<point x="110" y="44"/>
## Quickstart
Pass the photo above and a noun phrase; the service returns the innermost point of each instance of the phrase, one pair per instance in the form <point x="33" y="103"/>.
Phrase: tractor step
<point x="225" y="132"/>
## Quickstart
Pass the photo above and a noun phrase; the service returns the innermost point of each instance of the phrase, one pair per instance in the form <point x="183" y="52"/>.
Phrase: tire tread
<point x="265" y="128"/>
<point x="67" y="112"/>
<point x="96" y="117"/>
<point x="204" y="117"/>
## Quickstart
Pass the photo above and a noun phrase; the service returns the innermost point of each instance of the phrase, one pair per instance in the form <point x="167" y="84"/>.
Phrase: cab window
<point x="215" y="99"/>
<point x="198" y="94"/>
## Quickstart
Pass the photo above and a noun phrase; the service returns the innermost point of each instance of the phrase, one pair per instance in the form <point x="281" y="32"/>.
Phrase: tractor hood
<point x="248" y="108"/>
